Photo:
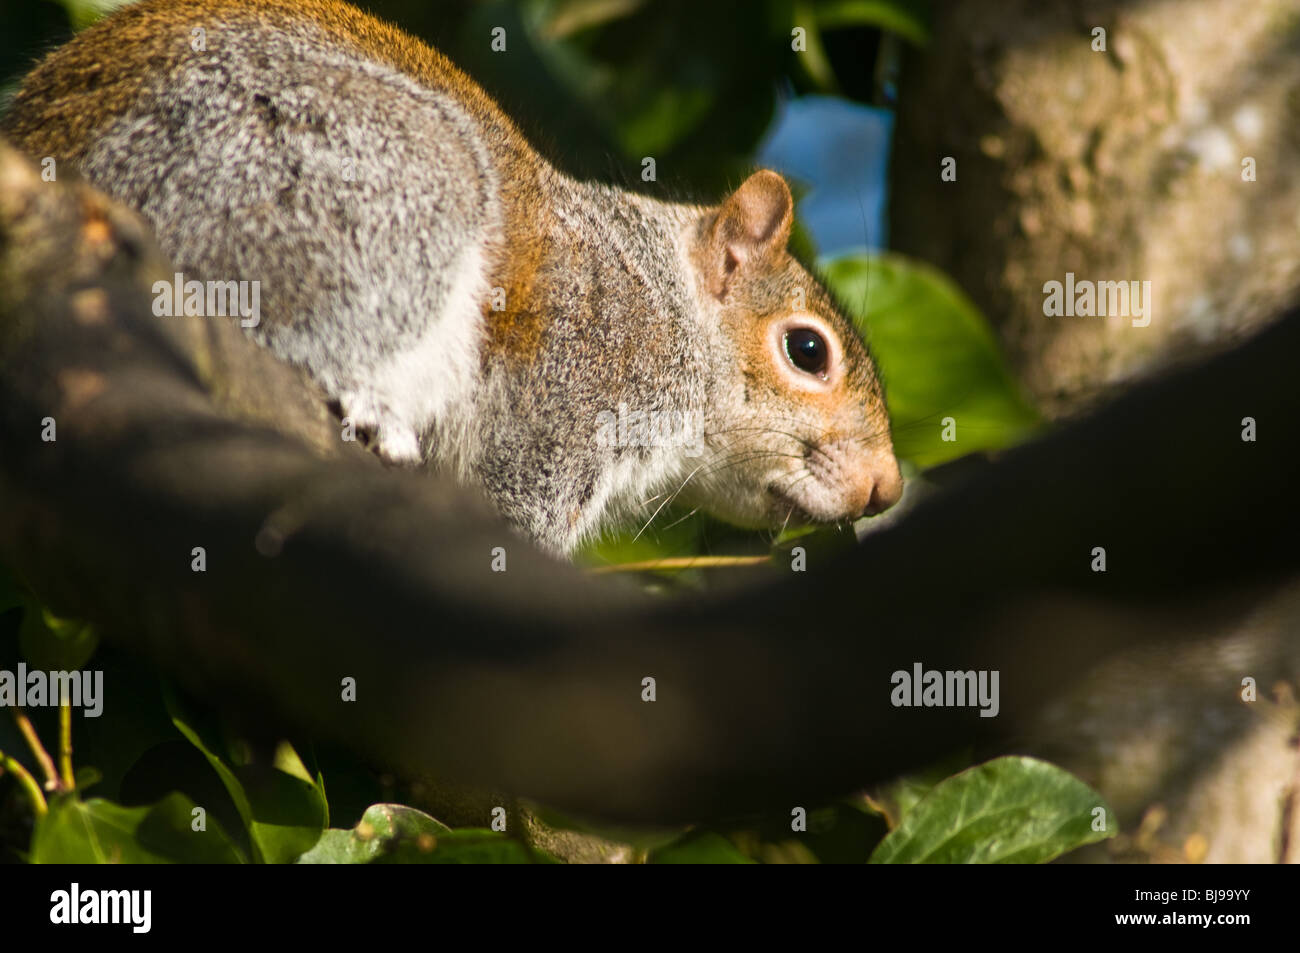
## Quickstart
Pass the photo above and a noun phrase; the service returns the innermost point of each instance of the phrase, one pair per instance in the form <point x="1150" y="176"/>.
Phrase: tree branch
<point x="321" y="564"/>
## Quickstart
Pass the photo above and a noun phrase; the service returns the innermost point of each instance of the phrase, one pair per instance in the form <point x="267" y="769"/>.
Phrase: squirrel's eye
<point x="807" y="351"/>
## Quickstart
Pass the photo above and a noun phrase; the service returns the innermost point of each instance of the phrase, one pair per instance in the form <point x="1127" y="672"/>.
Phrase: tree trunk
<point x="1121" y="164"/>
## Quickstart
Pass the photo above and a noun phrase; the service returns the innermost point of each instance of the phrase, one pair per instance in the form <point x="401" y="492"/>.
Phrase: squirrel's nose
<point x="886" y="485"/>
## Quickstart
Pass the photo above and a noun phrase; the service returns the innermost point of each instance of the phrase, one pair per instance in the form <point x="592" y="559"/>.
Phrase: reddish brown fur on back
<point x="517" y="332"/>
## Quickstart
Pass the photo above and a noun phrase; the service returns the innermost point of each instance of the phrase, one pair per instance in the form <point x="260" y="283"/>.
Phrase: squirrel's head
<point x="797" y="430"/>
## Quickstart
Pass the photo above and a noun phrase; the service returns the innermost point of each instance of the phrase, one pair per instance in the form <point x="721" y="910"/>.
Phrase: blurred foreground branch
<point x="321" y="564"/>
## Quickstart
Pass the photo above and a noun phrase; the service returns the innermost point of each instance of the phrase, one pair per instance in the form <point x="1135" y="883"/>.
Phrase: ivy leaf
<point x="395" y="834"/>
<point x="283" y="813"/>
<point x="938" y="357"/>
<point x="101" y="832"/>
<point x="382" y="830"/>
<point x="1009" y="810"/>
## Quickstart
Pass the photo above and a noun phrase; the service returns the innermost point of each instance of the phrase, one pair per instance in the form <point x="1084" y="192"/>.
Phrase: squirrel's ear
<point x="751" y="224"/>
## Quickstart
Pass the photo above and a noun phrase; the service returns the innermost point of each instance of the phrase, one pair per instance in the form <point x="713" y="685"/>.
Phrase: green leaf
<point x="668" y="535"/>
<point x="283" y="814"/>
<point x="663" y="119"/>
<point x="812" y="58"/>
<point x="905" y="17"/>
<point x="1010" y="810"/>
<point x="897" y="797"/>
<point x="54" y="644"/>
<point x="86" y="776"/>
<point x="287" y="760"/>
<point x="937" y="355"/>
<point x="83" y="13"/>
<point x="699" y="847"/>
<point x="101" y="832"/>
<point x="821" y="544"/>
<point x="556" y="20"/>
<point x="384" y="829"/>
<point x="672" y="533"/>
<point x="395" y="834"/>
<point x="287" y="813"/>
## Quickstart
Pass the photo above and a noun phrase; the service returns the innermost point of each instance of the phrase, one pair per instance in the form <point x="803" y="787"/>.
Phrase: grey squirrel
<point x="575" y="349"/>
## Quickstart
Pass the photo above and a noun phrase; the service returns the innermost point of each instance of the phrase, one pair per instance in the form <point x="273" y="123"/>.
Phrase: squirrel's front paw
<point x="394" y="442"/>
<point x="398" y="445"/>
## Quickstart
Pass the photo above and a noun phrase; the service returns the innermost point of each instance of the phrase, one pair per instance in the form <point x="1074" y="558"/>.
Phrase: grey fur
<point x="623" y="327"/>
<point x="237" y="157"/>
<point x="379" y="285"/>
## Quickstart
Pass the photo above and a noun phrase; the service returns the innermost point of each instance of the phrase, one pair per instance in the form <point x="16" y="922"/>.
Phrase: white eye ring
<point x="804" y="324"/>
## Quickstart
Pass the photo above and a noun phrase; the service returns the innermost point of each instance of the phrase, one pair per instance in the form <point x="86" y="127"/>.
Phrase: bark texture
<point x="1122" y="164"/>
